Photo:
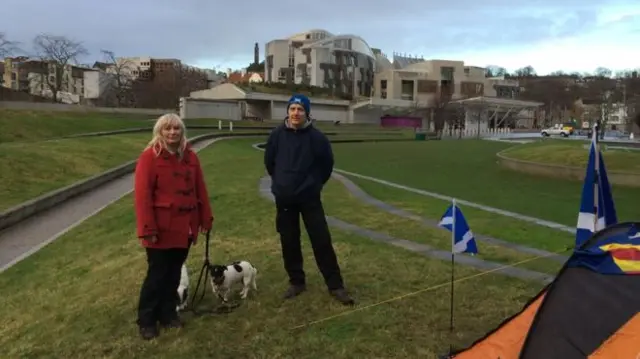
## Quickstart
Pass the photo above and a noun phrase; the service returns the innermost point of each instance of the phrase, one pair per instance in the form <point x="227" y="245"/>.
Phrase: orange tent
<point x="590" y="311"/>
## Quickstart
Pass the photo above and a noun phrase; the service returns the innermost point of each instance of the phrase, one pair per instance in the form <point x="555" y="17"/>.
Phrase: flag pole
<point x="453" y="261"/>
<point x="596" y="162"/>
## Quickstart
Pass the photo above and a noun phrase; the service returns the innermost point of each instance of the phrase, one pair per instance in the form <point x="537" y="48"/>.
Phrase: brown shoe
<point x="294" y="291"/>
<point x="175" y="323"/>
<point x="148" y="333"/>
<point x="342" y="296"/>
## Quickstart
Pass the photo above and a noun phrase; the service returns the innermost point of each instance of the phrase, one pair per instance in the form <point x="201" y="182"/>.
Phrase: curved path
<point x="29" y="236"/>
<point x="365" y="197"/>
<point x="425" y="250"/>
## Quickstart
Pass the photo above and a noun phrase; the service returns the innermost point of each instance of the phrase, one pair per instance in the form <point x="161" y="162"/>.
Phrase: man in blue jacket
<point x="299" y="159"/>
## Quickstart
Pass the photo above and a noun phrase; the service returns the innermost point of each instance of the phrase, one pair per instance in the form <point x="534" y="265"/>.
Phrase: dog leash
<point x="205" y="272"/>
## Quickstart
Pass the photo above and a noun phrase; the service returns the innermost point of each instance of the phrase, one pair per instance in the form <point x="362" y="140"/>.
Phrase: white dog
<point x="223" y="277"/>
<point x="183" y="289"/>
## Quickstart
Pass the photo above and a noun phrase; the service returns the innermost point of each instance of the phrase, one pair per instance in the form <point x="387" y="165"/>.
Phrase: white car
<point x="557" y="130"/>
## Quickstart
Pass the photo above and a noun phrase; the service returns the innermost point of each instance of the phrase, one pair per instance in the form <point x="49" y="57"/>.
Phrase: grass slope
<point x="28" y="170"/>
<point x="573" y="153"/>
<point x="76" y="298"/>
<point x="21" y="125"/>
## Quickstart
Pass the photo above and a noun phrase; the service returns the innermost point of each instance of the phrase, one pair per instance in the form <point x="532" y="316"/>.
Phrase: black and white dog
<point x="223" y="277"/>
<point x="183" y="290"/>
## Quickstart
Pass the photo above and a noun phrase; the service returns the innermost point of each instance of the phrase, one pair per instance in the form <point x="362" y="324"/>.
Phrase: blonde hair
<point x="158" y="142"/>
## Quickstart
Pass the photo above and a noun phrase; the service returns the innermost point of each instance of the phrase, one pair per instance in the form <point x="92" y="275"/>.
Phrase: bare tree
<point x="527" y="71"/>
<point x="440" y="114"/>
<point x="59" y="53"/>
<point x="117" y="83"/>
<point x="603" y="72"/>
<point x="7" y="47"/>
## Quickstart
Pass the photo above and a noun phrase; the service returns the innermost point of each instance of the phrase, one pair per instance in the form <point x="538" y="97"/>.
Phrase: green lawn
<point x="468" y="170"/>
<point x="573" y="153"/>
<point x="76" y="298"/>
<point x="341" y="203"/>
<point x="487" y="223"/>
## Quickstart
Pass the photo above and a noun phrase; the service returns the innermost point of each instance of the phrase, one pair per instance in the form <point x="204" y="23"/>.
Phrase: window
<point x="446" y="73"/>
<point x="383" y="84"/>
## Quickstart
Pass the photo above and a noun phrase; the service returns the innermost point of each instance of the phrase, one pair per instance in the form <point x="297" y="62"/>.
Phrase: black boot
<point x="294" y="291"/>
<point x="342" y="296"/>
<point x="148" y="333"/>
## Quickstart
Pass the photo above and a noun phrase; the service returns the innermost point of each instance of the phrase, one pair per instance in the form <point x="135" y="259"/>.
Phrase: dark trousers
<point x="288" y="225"/>
<point x="158" y="295"/>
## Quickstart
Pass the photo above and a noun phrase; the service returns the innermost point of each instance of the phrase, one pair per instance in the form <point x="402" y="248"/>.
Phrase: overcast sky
<point x="569" y="35"/>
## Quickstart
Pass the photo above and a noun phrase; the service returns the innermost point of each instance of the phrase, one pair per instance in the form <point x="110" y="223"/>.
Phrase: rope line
<point x="428" y="289"/>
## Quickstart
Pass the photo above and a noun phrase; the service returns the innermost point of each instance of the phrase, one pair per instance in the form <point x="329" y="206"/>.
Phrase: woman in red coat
<point x="172" y="206"/>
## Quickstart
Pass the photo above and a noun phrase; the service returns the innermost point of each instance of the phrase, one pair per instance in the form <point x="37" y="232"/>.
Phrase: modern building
<point x="422" y="80"/>
<point x="343" y="63"/>
<point x="415" y="85"/>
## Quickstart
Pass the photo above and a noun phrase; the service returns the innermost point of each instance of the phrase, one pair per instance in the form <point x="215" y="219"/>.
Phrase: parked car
<point x="557" y="130"/>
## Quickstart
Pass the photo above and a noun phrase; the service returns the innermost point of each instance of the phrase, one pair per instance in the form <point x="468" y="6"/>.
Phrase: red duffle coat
<point x="171" y="198"/>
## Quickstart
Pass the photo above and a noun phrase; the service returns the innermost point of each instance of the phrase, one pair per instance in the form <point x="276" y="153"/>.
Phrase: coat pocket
<point x="162" y="212"/>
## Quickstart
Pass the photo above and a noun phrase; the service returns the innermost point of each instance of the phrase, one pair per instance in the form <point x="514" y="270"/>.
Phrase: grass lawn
<point x="28" y="170"/>
<point x="340" y="203"/>
<point x="573" y="153"/>
<point x="76" y="298"/>
<point x="468" y="170"/>
<point x="487" y="223"/>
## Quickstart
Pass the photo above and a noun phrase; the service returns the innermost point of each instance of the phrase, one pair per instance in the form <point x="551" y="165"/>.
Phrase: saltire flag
<point x="463" y="240"/>
<point x="597" y="209"/>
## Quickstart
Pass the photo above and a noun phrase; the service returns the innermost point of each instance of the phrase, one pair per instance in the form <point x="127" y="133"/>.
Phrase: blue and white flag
<point x="597" y="210"/>
<point x="463" y="240"/>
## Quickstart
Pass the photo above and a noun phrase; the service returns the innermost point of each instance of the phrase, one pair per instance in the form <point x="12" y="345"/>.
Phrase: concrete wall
<point x="204" y="108"/>
<point x="45" y="106"/>
<point x="220" y="92"/>
<point x="367" y="115"/>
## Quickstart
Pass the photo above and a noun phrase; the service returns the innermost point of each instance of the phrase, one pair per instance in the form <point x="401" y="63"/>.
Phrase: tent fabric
<point x="589" y="311"/>
<point x="624" y="342"/>
<point x="507" y="340"/>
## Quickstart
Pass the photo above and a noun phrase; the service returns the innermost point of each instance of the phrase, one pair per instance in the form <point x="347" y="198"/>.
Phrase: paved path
<point x="27" y="237"/>
<point x="502" y="212"/>
<point x="365" y="197"/>
<point x="423" y="249"/>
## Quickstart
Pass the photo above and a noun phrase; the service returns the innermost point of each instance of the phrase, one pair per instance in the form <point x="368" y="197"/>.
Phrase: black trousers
<point x="158" y="295"/>
<point x="288" y="225"/>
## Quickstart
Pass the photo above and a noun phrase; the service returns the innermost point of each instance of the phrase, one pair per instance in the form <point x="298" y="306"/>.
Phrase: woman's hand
<point x="152" y="239"/>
